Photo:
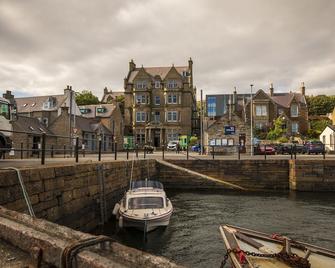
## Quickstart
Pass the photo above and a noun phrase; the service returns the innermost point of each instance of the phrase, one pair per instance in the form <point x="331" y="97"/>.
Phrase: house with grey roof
<point x="111" y="96"/>
<point x="160" y="103"/>
<point x="110" y="116"/>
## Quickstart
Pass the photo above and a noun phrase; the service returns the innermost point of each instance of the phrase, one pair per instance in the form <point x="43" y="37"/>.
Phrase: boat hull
<point x="244" y="241"/>
<point x="146" y="224"/>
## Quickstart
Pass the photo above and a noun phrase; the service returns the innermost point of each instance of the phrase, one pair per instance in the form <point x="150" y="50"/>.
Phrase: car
<point x="288" y="148"/>
<point x="172" y="145"/>
<point x="196" y="148"/>
<point x="314" y="147"/>
<point x="149" y="149"/>
<point x="261" y="149"/>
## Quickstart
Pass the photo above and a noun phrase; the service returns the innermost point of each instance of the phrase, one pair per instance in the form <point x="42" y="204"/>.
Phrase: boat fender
<point x="121" y="222"/>
<point x="241" y="257"/>
<point x="116" y="209"/>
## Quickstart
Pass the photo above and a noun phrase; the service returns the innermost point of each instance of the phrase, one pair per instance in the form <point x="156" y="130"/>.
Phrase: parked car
<point x="196" y="148"/>
<point x="287" y="148"/>
<point x="149" y="149"/>
<point x="314" y="147"/>
<point x="261" y="149"/>
<point x="172" y="145"/>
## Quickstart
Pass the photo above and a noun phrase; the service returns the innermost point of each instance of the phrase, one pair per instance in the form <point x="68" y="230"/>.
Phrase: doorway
<point x="157" y="137"/>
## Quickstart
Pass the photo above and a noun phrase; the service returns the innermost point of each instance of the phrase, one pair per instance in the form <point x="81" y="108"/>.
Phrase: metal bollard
<point x="21" y="150"/>
<point x="187" y="152"/>
<point x="43" y="149"/>
<point x="163" y="149"/>
<point x="52" y="151"/>
<point x="265" y="151"/>
<point x="115" y="151"/>
<point x="324" y="152"/>
<point x="144" y="151"/>
<point x="295" y="151"/>
<point x="64" y="150"/>
<point x="77" y="149"/>
<point x="213" y="152"/>
<point x="291" y="152"/>
<point x="127" y="149"/>
<point x="136" y="150"/>
<point x="99" y="152"/>
<point x="239" y="152"/>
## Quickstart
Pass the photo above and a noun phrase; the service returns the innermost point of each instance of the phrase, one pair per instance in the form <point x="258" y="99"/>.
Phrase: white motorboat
<point x="144" y="206"/>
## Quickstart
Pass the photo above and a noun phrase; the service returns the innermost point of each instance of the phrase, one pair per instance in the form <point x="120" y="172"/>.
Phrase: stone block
<point x="47" y="173"/>
<point x="64" y="171"/>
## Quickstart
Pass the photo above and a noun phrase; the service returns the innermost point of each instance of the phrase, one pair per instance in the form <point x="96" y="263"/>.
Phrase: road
<point x="89" y="158"/>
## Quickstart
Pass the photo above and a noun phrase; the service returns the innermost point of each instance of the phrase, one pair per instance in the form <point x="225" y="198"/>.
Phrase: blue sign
<point x="229" y="130"/>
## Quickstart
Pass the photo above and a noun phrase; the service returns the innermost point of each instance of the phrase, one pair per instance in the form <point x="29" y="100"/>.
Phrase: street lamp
<point x="251" y="118"/>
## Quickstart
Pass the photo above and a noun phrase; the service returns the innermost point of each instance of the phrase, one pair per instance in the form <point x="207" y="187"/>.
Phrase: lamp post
<point x="251" y="125"/>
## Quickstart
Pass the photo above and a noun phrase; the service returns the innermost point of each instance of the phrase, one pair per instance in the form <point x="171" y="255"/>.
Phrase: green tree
<point x="86" y="97"/>
<point x="320" y="105"/>
<point x="278" y="130"/>
<point x="316" y="127"/>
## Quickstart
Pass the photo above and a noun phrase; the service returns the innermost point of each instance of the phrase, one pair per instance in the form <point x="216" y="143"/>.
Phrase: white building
<point x="328" y="138"/>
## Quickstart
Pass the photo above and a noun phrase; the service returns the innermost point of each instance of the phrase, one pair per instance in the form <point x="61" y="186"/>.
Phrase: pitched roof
<point x="109" y="109"/>
<point x="33" y="104"/>
<point x="285" y="99"/>
<point x="112" y="94"/>
<point x="91" y="125"/>
<point x="332" y="127"/>
<point x="30" y="124"/>
<point x="157" y="71"/>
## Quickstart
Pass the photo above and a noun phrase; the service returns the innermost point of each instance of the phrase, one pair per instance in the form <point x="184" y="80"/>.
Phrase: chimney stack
<point x="105" y="90"/>
<point x="190" y="67"/>
<point x="132" y="65"/>
<point x="303" y="89"/>
<point x="271" y="89"/>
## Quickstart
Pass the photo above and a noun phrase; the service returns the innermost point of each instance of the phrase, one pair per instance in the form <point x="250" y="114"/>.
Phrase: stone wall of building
<point x="70" y="194"/>
<point x="312" y="175"/>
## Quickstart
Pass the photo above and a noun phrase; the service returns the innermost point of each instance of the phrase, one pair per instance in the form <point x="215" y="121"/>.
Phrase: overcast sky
<point x="46" y="44"/>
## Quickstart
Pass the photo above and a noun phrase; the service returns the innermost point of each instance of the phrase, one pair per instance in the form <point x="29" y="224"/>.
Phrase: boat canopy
<point x="146" y="183"/>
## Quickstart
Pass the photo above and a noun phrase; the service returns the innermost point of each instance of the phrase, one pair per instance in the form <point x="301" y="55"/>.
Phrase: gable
<point x="172" y="74"/>
<point x="261" y="95"/>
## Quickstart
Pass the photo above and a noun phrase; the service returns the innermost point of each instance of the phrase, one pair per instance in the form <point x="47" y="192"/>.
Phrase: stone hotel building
<point x="160" y="103"/>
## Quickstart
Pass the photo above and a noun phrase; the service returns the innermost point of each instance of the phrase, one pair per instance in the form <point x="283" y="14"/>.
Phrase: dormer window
<point x="101" y="110"/>
<point x="49" y="104"/>
<point x="25" y="105"/>
<point x="33" y="104"/>
<point x="157" y="84"/>
<point x="294" y="110"/>
<point x="172" y="84"/>
<point x="141" y="84"/>
<point x="85" y="110"/>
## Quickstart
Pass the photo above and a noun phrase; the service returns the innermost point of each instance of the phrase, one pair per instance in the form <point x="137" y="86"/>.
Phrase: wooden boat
<point x="252" y="249"/>
<point x="144" y="206"/>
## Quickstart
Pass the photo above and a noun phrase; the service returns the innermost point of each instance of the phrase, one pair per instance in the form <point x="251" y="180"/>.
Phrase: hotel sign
<point x="229" y="130"/>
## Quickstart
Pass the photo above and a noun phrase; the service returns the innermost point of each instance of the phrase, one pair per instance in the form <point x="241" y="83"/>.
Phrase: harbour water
<point x="193" y="239"/>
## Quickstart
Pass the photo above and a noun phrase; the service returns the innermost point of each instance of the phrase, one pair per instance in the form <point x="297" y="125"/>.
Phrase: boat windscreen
<point x="147" y="183"/>
<point x="145" y="202"/>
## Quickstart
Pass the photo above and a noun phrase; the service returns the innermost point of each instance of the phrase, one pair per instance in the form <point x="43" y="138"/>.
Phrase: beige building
<point x="160" y="103"/>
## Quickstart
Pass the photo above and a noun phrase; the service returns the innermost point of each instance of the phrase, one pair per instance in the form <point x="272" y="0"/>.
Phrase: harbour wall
<point x="312" y="175"/>
<point x="250" y="174"/>
<point x="71" y="195"/>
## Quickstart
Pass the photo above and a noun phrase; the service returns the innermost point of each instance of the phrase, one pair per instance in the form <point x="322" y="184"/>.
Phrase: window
<point x="101" y="110"/>
<point x="45" y="121"/>
<point x="140" y="116"/>
<point x="172" y="99"/>
<point x="295" y="127"/>
<point x="157" y="100"/>
<point x="172" y="84"/>
<point x="324" y="139"/>
<point x="172" y="135"/>
<point x="49" y="104"/>
<point x="211" y="106"/>
<point x="85" y="110"/>
<point x="259" y="125"/>
<point x="145" y="202"/>
<point x="172" y="116"/>
<point x="157" y="117"/>
<point x="141" y="99"/>
<point x="261" y="110"/>
<point x="141" y="84"/>
<point x="294" y="110"/>
<point x="140" y="138"/>
<point x="4" y="110"/>
<point x="157" y="84"/>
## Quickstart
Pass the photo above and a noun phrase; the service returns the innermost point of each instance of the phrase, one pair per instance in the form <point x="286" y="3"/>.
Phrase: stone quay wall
<point x="251" y="174"/>
<point x="312" y="175"/>
<point x="70" y="195"/>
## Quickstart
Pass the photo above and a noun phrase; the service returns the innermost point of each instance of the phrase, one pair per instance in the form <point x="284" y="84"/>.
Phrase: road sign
<point x="229" y="130"/>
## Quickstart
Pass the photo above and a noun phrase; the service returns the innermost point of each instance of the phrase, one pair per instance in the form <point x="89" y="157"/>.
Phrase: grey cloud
<point x="46" y="45"/>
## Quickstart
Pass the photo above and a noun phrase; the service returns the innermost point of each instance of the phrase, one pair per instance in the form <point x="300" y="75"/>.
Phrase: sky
<point x="46" y="45"/>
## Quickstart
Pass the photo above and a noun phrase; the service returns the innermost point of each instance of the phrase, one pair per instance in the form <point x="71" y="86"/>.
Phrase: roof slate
<point x="92" y="114"/>
<point x="34" y="104"/>
<point x="30" y="124"/>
